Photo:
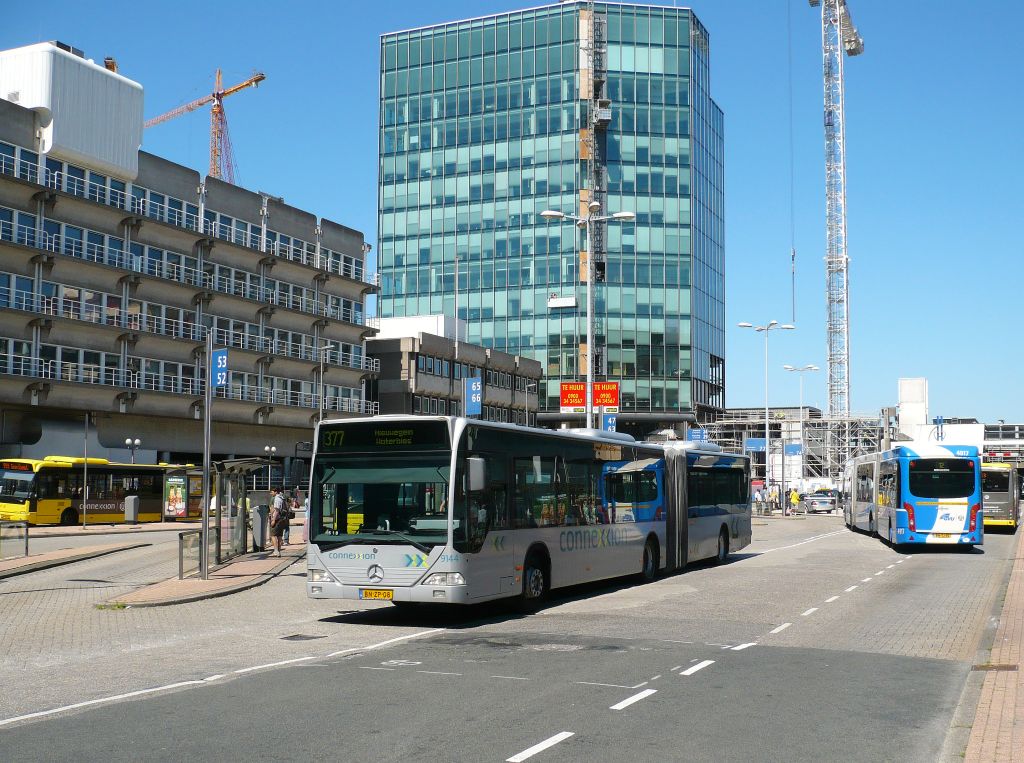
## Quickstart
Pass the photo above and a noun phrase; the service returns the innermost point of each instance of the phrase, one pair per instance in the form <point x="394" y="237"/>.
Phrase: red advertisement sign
<point x="606" y="393"/>
<point x="573" y="394"/>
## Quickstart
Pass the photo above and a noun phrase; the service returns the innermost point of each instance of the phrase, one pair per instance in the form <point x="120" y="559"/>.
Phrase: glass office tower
<point x="487" y="122"/>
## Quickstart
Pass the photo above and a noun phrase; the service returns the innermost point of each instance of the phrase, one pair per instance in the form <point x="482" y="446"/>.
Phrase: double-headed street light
<point x="803" y="447"/>
<point x="584" y="222"/>
<point x="271" y="451"/>
<point x="132" y="445"/>
<point x="768" y="327"/>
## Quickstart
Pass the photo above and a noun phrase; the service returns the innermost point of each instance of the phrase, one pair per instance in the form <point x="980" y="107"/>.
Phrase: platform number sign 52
<point x="219" y="368"/>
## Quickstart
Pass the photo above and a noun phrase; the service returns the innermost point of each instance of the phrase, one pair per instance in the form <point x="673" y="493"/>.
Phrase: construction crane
<point x="222" y="159"/>
<point x="838" y="34"/>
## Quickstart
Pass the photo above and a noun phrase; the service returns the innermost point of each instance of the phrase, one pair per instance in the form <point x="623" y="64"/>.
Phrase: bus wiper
<point x="403" y="536"/>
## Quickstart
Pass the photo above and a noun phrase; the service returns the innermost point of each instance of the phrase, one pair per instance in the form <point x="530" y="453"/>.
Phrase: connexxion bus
<point x="1000" y="495"/>
<point x="442" y="509"/>
<point x="917" y="493"/>
<point x="50" y="491"/>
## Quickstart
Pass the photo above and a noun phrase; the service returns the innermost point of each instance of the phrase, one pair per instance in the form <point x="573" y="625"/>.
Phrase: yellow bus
<point x="51" y="490"/>
<point x="999" y="490"/>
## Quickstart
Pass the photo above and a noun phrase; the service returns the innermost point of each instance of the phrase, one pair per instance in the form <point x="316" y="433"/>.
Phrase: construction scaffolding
<point x="826" y="443"/>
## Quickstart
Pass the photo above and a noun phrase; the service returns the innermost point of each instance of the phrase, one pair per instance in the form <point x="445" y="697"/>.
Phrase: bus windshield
<point x="383" y="500"/>
<point x="933" y="478"/>
<point x="15" y="485"/>
<point x="995" y="482"/>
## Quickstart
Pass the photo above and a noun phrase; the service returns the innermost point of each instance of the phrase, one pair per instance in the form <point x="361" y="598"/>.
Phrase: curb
<point x="112" y="530"/>
<point x="201" y="596"/>
<point x="45" y="564"/>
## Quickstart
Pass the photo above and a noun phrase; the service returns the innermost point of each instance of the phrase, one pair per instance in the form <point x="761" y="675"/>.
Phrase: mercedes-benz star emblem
<point x="375" y="573"/>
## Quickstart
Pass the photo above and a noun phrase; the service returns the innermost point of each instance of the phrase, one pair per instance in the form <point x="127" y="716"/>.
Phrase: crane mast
<point x="838" y="35"/>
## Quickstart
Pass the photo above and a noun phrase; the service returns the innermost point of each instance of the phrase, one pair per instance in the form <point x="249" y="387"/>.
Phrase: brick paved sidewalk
<point x="239" y="574"/>
<point x="998" y="730"/>
<point x="25" y="564"/>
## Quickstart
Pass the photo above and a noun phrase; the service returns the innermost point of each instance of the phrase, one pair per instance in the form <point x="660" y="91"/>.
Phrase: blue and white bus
<point x="435" y="509"/>
<point x="916" y="493"/>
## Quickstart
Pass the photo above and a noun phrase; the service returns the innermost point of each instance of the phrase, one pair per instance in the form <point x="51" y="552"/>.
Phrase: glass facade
<point x="482" y="126"/>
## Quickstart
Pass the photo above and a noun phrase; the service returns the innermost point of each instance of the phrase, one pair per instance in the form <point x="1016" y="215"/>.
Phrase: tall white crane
<point x="838" y="34"/>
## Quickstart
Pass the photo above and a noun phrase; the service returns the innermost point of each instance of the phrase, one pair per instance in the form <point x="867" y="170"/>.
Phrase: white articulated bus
<point x="452" y="510"/>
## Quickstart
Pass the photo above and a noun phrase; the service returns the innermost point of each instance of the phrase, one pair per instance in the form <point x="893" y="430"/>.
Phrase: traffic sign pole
<point x="204" y="509"/>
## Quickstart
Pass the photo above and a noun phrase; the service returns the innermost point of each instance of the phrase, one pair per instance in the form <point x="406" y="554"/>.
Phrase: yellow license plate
<point x="941" y="535"/>
<point x="376" y="593"/>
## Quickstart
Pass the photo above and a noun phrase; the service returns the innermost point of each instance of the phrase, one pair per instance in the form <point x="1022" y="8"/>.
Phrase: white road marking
<point x="890" y="566"/>
<point x="379" y="644"/>
<point x="741" y="647"/>
<point x="698" y="666"/>
<point x="849" y="589"/>
<point x="635" y="698"/>
<point x="831" y="599"/>
<point x="277" y="664"/>
<point x="676" y="668"/>
<point x="811" y="611"/>
<point x="880" y="572"/>
<point x="801" y="543"/>
<point x="781" y="628"/>
<point x="656" y="678"/>
<point x="613" y="686"/>
<point x="214" y="678"/>
<point x="438" y="673"/>
<point x="529" y="752"/>
<point x="367" y="667"/>
<point x="91" y="702"/>
<point x="866" y="580"/>
<point x="512" y="678"/>
<point x="644" y="683"/>
<point x="900" y="561"/>
<point x="180" y="684"/>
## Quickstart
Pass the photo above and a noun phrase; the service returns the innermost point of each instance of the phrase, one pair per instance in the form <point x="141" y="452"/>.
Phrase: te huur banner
<point x="573" y="397"/>
<point x="606" y="394"/>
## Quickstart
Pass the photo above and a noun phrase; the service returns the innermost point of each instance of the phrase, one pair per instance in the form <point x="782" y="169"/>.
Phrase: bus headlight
<point x="444" y="578"/>
<point x="321" y="576"/>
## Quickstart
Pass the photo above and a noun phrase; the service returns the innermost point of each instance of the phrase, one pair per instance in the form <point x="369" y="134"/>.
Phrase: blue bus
<point x="916" y="493"/>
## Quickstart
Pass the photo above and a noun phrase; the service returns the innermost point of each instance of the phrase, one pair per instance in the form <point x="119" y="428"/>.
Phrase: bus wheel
<point x="535" y="583"/>
<point x="723" y="547"/>
<point x="69" y="517"/>
<point x="649" y="571"/>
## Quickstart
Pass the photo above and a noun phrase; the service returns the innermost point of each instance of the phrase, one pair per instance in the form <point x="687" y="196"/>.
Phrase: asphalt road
<point x="813" y="644"/>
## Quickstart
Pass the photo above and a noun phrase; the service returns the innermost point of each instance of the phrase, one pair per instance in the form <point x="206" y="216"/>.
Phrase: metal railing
<point x="13" y="540"/>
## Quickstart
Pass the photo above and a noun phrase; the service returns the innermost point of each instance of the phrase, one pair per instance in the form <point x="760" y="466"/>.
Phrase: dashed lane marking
<point x="635" y="698"/>
<point x="880" y="572"/>
<point x="529" y="752"/>
<point x="611" y="686"/>
<point x="367" y="667"/>
<point x="699" y="666"/>
<point x="850" y="589"/>
<point x="890" y="566"/>
<point x="781" y="628"/>
<point x="831" y="599"/>
<point x="803" y="542"/>
<point x="866" y="580"/>
<point x="741" y="647"/>
<point x="438" y="673"/>
<point x="512" y="678"/>
<point x="811" y="611"/>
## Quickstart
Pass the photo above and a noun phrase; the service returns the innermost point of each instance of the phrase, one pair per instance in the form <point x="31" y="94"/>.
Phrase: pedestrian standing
<point x="278" y="519"/>
<point x="794" y="501"/>
<point x="757" y="501"/>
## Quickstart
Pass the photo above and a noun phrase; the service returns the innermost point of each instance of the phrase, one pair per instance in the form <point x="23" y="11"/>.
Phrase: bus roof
<point x="934" y="450"/>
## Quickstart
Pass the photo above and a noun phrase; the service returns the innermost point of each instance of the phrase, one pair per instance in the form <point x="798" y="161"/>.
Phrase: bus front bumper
<point x="422" y="594"/>
<point x="1000" y="522"/>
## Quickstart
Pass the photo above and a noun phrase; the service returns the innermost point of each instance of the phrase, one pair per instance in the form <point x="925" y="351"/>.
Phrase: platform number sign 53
<point x="219" y="368"/>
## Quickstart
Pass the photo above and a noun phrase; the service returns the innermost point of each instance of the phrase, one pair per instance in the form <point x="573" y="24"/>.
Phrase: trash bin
<point x="260" y="526"/>
<point x="131" y="509"/>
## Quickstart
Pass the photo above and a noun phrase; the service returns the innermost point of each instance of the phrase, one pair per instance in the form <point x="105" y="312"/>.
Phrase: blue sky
<point x="934" y="152"/>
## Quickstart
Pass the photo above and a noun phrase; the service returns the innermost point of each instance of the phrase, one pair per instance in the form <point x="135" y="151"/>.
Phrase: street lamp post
<point x="803" y="446"/>
<point x="584" y="222"/>
<point x="768" y="327"/>
<point x="321" y="351"/>
<point x="132" y="445"/>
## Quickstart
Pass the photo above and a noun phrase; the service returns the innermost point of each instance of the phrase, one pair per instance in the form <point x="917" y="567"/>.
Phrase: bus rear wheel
<point x="723" y="547"/>
<point x="649" y="570"/>
<point x="69" y="517"/>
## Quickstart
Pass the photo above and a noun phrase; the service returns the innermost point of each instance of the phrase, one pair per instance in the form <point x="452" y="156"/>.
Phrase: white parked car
<point x="819" y="501"/>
